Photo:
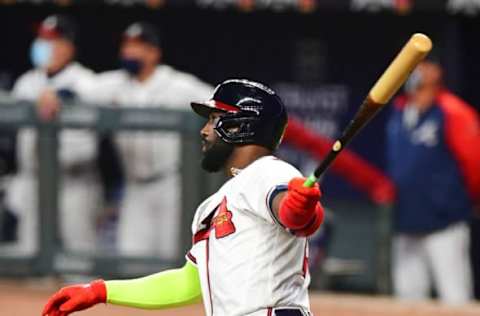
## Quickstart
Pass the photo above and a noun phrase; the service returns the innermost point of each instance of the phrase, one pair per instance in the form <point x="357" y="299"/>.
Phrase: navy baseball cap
<point x="144" y="32"/>
<point x="58" y="26"/>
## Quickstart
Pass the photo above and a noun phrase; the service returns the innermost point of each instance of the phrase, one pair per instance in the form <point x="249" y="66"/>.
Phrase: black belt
<point x="154" y="177"/>
<point x="150" y="179"/>
<point x="286" y="311"/>
<point x="79" y="170"/>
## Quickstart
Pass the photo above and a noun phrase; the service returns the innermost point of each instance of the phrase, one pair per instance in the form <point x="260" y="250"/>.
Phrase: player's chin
<point x="211" y="163"/>
<point x="215" y="156"/>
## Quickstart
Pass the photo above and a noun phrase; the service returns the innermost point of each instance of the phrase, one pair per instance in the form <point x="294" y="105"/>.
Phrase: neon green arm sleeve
<point x="166" y="289"/>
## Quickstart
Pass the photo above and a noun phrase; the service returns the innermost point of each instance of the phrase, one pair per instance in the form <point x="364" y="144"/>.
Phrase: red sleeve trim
<point x="305" y="261"/>
<point x="349" y="165"/>
<point x="191" y="258"/>
<point x="201" y="235"/>
<point x="462" y="134"/>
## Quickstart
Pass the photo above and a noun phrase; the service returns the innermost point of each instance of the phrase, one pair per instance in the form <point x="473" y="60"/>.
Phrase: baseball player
<point x="433" y="140"/>
<point x="249" y="252"/>
<point x="56" y="76"/>
<point x="150" y="210"/>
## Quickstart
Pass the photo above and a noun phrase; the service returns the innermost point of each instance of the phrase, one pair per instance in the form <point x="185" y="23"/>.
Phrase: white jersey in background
<point x="79" y="196"/>
<point x="248" y="263"/>
<point x="150" y="212"/>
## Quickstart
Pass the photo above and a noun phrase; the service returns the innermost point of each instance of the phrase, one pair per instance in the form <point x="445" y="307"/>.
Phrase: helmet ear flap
<point x="237" y="128"/>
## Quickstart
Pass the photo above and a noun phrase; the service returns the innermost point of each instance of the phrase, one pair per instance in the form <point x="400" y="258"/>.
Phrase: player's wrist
<point x="311" y="227"/>
<point x="99" y="289"/>
<point x="292" y="216"/>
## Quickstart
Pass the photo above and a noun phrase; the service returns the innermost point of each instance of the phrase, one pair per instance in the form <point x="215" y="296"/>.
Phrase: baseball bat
<point x="418" y="46"/>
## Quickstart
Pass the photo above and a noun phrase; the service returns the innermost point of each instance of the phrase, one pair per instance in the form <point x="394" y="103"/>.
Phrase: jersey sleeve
<point x="198" y="233"/>
<point x="199" y="90"/>
<point x="85" y="83"/>
<point x="194" y="253"/>
<point x="462" y="134"/>
<point x="103" y="88"/>
<point x="22" y="89"/>
<point x="192" y="87"/>
<point x="269" y="178"/>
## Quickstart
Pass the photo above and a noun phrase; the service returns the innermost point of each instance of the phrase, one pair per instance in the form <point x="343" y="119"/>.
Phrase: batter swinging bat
<point x="391" y="80"/>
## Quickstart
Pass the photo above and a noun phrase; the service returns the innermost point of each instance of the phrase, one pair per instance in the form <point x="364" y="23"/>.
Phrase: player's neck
<point x="242" y="156"/>
<point x="146" y="73"/>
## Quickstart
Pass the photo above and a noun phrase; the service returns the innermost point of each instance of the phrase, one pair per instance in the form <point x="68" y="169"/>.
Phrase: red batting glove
<point x="300" y="210"/>
<point x="75" y="298"/>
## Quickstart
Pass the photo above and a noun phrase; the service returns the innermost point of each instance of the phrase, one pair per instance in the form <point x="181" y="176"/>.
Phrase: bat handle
<point x="336" y="149"/>
<point x="310" y="182"/>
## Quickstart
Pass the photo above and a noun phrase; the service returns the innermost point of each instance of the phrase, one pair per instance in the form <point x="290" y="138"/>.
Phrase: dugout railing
<point x="52" y="257"/>
<point x="196" y="185"/>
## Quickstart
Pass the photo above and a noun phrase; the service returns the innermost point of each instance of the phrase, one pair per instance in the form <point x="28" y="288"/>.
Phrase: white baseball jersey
<point x="76" y="146"/>
<point x="150" y="212"/>
<point x="248" y="262"/>
<point x="80" y="195"/>
<point x="146" y="154"/>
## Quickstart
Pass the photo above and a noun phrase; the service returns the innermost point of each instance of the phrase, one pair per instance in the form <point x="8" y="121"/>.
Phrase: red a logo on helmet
<point x="223" y="221"/>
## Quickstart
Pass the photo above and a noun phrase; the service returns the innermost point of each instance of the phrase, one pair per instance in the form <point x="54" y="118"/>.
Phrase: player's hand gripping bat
<point x="391" y="80"/>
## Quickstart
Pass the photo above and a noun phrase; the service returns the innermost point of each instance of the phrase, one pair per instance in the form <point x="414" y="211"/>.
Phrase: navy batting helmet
<point x="254" y="113"/>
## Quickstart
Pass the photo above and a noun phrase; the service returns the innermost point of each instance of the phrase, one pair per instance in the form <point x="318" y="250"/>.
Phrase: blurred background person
<point x="8" y="166"/>
<point x="433" y="152"/>
<point x="56" y="77"/>
<point x="150" y="211"/>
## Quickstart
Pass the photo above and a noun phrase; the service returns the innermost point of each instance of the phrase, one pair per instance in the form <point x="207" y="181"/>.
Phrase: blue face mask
<point x="132" y="65"/>
<point x="40" y="53"/>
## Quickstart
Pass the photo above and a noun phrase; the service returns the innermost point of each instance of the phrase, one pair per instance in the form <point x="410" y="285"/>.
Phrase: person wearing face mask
<point x="56" y="77"/>
<point x="433" y="154"/>
<point x="150" y="212"/>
